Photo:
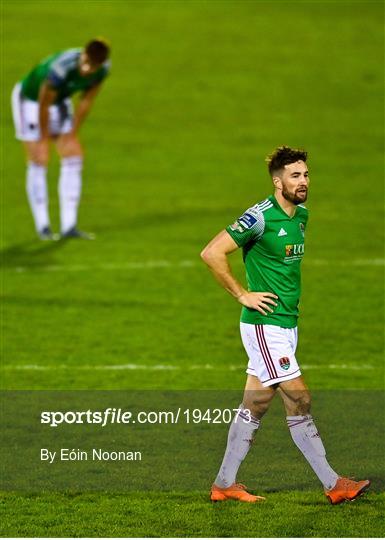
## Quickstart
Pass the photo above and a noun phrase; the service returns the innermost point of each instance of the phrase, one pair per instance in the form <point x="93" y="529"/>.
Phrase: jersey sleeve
<point x="249" y="227"/>
<point x="60" y="67"/>
<point x="55" y="76"/>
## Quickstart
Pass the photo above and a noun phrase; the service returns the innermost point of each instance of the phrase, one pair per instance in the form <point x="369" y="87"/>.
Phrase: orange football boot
<point x="235" y="491"/>
<point x="346" y="490"/>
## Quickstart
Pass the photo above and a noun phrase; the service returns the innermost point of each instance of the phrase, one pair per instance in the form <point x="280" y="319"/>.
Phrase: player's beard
<point x="296" y="198"/>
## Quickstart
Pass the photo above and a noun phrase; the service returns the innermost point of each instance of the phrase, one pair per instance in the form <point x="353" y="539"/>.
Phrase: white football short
<point x="26" y="116"/>
<point x="271" y="352"/>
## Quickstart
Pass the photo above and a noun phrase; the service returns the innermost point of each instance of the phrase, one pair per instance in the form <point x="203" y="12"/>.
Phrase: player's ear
<point x="277" y="182"/>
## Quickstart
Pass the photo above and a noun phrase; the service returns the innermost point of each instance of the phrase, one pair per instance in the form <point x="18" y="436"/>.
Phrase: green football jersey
<point x="62" y="73"/>
<point x="273" y="247"/>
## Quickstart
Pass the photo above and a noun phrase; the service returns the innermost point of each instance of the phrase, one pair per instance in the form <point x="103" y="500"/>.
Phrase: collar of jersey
<point x="280" y="209"/>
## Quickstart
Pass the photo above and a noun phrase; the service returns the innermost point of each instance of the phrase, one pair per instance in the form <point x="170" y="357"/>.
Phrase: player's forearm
<point x="47" y="96"/>
<point x="81" y="113"/>
<point x="44" y="120"/>
<point x="220" y="268"/>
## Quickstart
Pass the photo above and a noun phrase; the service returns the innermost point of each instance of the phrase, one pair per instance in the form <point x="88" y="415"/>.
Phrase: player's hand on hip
<point x="261" y="301"/>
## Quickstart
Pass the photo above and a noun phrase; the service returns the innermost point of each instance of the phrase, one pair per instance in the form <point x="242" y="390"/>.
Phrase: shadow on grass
<point x="83" y="302"/>
<point x="31" y="254"/>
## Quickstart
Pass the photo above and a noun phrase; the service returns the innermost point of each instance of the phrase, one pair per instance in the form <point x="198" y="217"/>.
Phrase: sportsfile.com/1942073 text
<point x="113" y="415"/>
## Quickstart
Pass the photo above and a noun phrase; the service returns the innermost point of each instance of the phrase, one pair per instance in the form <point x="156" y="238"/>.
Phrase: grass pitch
<point x="199" y="93"/>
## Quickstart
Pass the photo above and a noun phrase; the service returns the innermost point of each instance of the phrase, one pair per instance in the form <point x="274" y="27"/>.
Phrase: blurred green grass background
<point x="199" y="93"/>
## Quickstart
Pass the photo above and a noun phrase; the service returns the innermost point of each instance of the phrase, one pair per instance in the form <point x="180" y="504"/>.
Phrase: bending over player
<point x="42" y="111"/>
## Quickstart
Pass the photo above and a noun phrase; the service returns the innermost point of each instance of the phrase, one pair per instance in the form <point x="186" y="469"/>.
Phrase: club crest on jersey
<point x="302" y="229"/>
<point x="284" y="363"/>
<point x="237" y="227"/>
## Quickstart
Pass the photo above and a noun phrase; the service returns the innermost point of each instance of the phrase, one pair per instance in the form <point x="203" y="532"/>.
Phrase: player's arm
<point x="85" y="105"/>
<point x="215" y="255"/>
<point x="47" y="96"/>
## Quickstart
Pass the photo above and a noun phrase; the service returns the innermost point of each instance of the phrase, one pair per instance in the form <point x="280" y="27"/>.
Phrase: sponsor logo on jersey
<point x="294" y="250"/>
<point x="284" y="363"/>
<point x="247" y="220"/>
<point x="302" y="229"/>
<point x="282" y="232"/>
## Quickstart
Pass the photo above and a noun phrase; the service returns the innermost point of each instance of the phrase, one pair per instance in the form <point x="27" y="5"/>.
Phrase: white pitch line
<point x="149" y="265"/>
<point x="354" y="262"/>
<point x="168" y="367"/>
<point x="134" y="265"/>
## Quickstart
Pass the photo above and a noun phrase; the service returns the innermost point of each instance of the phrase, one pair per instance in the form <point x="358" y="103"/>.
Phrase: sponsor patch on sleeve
<point x="248" y="220"/>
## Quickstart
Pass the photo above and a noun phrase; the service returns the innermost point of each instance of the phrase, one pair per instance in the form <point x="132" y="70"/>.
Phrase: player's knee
<point x="69" y="146"/>
<point x="41" y="161"/>
<point x="38" y="158"/>
<point x="36" y="155"/>
<point x="75" y="154"/>
<point x="74" y="149"/>
<point x="78" y="149"/>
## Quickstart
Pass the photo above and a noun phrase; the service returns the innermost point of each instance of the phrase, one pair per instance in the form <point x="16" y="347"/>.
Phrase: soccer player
<point x="271" y="234"/>
<point x="42" y="111"/>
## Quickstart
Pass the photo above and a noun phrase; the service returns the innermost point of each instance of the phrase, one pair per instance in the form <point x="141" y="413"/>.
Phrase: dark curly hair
<point x="97" y="50"/>
<point x="284" y="155"/>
